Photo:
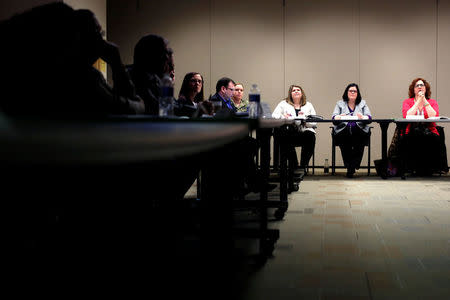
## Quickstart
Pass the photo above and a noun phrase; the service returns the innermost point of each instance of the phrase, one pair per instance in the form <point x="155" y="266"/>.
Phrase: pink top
<point x="408" y="103"/>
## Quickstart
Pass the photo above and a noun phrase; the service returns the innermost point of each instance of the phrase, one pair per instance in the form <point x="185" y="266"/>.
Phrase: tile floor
<point x="361" y="238"/>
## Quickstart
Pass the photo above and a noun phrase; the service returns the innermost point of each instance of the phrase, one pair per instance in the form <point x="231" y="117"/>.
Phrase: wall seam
<point x="284" y="44"/>
<point x="437" y="44"/>
<point x="210" y="44"/>
<point x="359" y="39"/>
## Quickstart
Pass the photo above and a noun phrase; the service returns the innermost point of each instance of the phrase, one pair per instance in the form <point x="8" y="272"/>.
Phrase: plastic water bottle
<point x="166" y="101"/>
<point x="254" y="98"/>
<point x="326" y="167"/>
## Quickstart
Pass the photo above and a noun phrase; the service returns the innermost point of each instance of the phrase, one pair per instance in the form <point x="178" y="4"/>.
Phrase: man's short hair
<point x="224" y="81"/>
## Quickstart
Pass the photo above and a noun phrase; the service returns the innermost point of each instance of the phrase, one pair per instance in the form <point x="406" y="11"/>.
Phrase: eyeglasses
<point x="419" y="85"/>
<point x="196" y="81"/>
<point x="231" y="89"/>
<point x="352" y="91"/>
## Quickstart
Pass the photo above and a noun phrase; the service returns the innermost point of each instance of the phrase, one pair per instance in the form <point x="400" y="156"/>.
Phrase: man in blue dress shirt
<point x="224" y="92"/>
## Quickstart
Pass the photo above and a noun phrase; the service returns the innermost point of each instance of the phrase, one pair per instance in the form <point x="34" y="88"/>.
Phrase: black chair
<point x="333" y="151"/>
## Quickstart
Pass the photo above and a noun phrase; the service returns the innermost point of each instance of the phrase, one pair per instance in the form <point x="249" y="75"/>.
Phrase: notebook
<point x="415" y="117"/>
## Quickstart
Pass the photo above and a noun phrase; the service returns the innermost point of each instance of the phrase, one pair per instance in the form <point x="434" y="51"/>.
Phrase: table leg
<point x="384" y="127"/>
<point x="279" y="214"/>
<point x="267" y="237"/>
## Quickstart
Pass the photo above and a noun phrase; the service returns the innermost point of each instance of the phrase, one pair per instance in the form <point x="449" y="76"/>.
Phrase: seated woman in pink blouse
<point x="420" y="141"/>
<point x="420" y="103"/>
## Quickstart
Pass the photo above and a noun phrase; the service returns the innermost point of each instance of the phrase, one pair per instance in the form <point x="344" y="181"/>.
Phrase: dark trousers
<point x="351" y="141"/>
<point x="292" y="138"/>
<point x="306" y="140"/>
<point x="421" y="154"/>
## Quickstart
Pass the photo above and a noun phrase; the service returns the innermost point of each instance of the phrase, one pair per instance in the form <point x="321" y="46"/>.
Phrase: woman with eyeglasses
<point x="420" y="142"/>
<point x="304" y="135"/>
<point x="191" y="92"/>
<point x="350" y="135"/>
<point x="191" y="98"/>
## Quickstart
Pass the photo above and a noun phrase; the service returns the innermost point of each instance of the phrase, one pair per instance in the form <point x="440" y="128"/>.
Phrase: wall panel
<point x="397" y="44"/>
<point x="8" y="8"/>
<point x="322" y="45"/>
<point x="186" y="24"/>
<point x="247" y="45"/>
<point x="443" y="58"/>
<point x="440" y="92"/>
<point x="322" y="56"/>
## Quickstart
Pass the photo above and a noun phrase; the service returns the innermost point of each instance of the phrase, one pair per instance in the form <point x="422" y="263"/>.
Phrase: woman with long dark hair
<point x="191" y="101"/>
<point x="191" y="91"/>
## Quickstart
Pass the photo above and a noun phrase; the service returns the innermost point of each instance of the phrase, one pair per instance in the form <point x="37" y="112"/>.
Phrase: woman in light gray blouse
<point x="351" y="135"/>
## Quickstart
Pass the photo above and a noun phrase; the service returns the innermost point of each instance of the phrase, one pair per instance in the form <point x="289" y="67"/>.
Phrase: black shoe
<point x="350" y="173"/>
<point x="293" y="187"/>
<point x="260" y="187"/>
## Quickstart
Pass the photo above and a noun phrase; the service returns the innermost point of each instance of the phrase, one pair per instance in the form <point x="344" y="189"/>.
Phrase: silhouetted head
<point x="90" y="35"/>
<point x="40" y="33"/>
<point x="36" y="45"/>
<point x="152" y="55"/>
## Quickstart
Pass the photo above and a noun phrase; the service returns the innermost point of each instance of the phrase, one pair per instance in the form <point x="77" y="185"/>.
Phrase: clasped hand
<point x="421" y="101"/>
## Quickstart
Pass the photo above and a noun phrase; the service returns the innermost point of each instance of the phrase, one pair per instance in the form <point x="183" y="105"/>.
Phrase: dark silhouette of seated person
<point x="152" y="60"/>
<point x="49" y="53"/>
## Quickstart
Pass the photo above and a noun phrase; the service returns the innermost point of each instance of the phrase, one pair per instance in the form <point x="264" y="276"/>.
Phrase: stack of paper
<point x="349" y="117"/>
<point x="415" y="117"/>
<point x="438" y="118"/>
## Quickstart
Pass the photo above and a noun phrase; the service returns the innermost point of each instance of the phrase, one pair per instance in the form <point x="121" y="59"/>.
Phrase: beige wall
<point x="8" y="8"/>
<point x="322" y="45"/>
<point x="98" y="7"/>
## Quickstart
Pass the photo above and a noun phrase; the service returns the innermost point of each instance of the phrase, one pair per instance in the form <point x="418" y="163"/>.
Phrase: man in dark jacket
<point x="224" y="92"/>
